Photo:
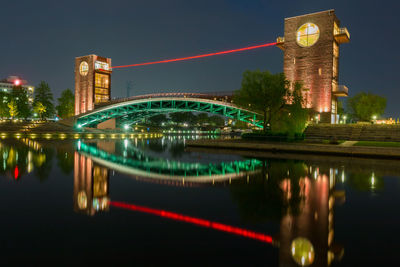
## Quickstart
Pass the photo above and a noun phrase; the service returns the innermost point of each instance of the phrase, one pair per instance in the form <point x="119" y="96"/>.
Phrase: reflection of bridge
<point x="145" y="166"/>
<point x="306" y="230"/>
<point x="132" y="109"/>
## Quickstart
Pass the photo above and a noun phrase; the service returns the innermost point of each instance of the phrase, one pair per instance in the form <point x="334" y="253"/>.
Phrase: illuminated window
<point x="307" y="35"/>
<point x="83" y="68"/>
<point x="101" y="80"/>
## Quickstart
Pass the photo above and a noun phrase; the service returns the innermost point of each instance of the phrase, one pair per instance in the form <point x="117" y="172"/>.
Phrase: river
<point x="155" y="202"/>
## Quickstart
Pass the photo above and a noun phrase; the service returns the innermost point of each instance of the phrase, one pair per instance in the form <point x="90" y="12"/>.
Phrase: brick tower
<point x="92" y="82"/>
<point x="311" y="56"/>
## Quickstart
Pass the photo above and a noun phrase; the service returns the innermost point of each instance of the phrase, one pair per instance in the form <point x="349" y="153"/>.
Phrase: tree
<point x="39" y="109"/>
<point x="4" y="98"/>
<point x="365" y="105"/>
<point x="296" y="115"/>
<point x="202" y="118"/>
<point x="19" y="95"/>
<point x="13" y="109"/>
<point x="158" y="119"/>
<point x="216" y="120"/>
<point x="264" y="93"/>
<point x="183" y="117"/>
<point x="66" y="104"/>
<point x="44" y="95"/>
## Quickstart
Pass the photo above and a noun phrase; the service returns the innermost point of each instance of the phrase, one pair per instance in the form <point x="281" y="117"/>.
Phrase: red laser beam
<point x="196" y="221"/>
<point x="198" y="56"/>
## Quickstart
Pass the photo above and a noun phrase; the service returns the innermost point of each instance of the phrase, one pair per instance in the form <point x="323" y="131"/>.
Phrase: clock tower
<point x="92" y="82"/>
<point x="311" y="57"/>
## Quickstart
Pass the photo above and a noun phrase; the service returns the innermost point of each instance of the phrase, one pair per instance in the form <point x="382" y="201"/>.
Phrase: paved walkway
<point x="324" y="149"/>
<point x="348" y="143"/>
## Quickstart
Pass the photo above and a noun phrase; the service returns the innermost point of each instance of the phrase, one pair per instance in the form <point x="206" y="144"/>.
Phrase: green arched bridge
<point x="130" y="110"/>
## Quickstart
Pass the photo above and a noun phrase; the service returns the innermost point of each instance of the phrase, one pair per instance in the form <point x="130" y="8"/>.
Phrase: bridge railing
<point x="221" y="96"/>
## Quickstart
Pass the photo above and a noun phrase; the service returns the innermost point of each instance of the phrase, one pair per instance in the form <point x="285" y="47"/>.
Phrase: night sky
<point x="40" y="40"/>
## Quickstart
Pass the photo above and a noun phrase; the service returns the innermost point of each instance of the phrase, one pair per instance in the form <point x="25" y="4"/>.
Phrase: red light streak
<point x="198" y="56"/>
<point x="196" y="221"/>
<point x="16" y="173"/>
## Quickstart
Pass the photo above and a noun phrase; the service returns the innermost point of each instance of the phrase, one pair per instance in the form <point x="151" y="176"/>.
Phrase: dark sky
<point x="40" y="40"/>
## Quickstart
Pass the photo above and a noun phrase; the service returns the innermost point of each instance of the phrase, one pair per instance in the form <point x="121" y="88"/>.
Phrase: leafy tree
<point x="13" y="108"/>
<point x="340" y="108"/>
<point x="44" y="95"/>
<point x="264" y="93"/>
<point x="39" y="109"/>
<point x="19" y="95"/>
<point x="293" y="118"/>
<point x="4" y="98"/>
<point x="216" y="120"/>
<point x="158" y="119"/>
<point x="202" y="118"/>
<point x="365" y="105"/>
<point x="183" y="117"/>
<point x="66" y="104"/>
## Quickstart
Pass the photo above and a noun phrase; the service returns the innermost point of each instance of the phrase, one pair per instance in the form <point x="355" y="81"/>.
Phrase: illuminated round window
<point x="302" y="251"/>
<point x="83" y="68"/>
<point x="307" y="35"/>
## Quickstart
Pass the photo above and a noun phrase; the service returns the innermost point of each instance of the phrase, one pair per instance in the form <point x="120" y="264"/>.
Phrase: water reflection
<point x="299" y="196"/>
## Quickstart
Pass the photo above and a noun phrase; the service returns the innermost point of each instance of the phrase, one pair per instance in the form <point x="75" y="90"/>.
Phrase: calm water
<point x="151" y="202"/>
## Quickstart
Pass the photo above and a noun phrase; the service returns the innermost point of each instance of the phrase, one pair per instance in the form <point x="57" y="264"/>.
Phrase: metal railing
<point x="280" y="39"/>
<point x="340" y="31"/>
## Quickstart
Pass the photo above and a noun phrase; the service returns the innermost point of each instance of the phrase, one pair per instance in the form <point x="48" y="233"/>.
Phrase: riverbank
<point x="299" y="148"/>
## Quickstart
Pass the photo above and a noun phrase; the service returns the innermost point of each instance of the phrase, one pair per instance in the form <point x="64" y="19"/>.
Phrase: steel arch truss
<point x="153" y="106"/>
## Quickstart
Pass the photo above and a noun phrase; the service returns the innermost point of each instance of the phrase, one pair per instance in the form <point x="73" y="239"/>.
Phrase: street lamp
<point x="344" y="119"/>
<point x="126" y="126"/>
<point x="374" y="118"/>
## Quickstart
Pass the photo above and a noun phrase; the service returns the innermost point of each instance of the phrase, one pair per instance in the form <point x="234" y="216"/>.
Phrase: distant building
<point x="311" y="56"/>
<point x="92" y="82"/>
<point x="13" y="82"/>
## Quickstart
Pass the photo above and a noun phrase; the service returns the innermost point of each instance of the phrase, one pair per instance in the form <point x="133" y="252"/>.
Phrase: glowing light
<point x="198" y="56"/>
<point x="126" y="126"/>
<point x="16" y="172"/>
<point x="17" y="82"/>
<point x="196" y="221"/>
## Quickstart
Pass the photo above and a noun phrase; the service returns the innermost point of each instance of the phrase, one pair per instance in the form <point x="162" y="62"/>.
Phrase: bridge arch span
<point x="160" y="105"/>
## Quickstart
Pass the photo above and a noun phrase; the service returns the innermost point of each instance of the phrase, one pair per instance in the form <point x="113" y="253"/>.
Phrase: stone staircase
<point x="357" y="132"/>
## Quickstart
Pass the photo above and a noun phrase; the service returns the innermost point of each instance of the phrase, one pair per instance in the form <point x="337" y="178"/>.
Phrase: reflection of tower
<point x="307" y="237"/>
<point x="90" y="186"/>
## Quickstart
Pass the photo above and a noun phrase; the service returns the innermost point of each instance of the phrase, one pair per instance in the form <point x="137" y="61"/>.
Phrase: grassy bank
<point x="377" y="144"/>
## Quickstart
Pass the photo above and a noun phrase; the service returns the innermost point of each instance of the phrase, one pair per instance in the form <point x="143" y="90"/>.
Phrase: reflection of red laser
<point x="16" y="173"/>
<point x="198" y="56"/>
<point x="197" y="221"/>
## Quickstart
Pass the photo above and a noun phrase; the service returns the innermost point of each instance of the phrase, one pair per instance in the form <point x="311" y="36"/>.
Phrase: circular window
<point x="307" y="35"/>
<point x="82" y="200"/>
<point x="302" y="251"/>
<point x="83" y="68"/>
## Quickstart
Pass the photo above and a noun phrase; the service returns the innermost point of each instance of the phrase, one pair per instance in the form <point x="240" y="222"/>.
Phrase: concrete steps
<point x="361" y="132"/>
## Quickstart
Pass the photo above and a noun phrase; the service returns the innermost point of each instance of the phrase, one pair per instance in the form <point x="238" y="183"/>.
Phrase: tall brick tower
<point x="92" y="82"/>
<point x="311" y="56"/>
